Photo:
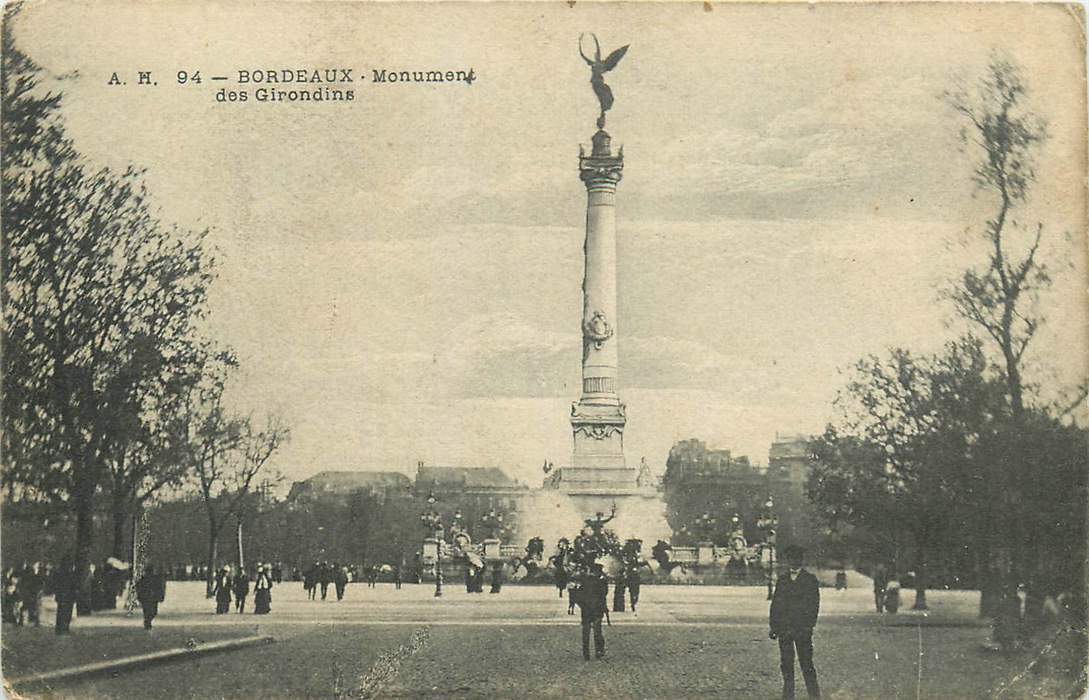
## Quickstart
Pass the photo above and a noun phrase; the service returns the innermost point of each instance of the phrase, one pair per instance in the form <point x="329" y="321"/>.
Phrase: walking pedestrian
<point x="29" y="591"/>
<point x="325" y="577"/>
<point x="592" y="596"/>
<point x="880" y="582"/>
<point x="634" y="583"/>
<point x="262" y="591"/>
<point x="241" y="588"/>
<point x="619" y="590"/>
<point x="310" y="581"/>
<point x="11" y="603"/>
<point x="340" y="580"/>
<point x="793" y="615"/>
<point x="221" y="588"/>
<point x="150" y="591"/>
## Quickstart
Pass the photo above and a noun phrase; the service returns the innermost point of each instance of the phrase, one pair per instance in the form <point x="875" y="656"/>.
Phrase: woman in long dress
<point x="262" y="591"/>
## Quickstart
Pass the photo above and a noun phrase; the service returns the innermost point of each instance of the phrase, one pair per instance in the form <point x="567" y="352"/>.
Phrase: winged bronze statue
<point x="598" y="69"/>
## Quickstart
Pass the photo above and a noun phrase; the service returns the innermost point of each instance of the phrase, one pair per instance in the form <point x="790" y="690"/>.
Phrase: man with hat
<point x="150" y="591"/>
<point x="794" y="609"/>
<point x="241" y="587"/>
<point x="592" y="602"/>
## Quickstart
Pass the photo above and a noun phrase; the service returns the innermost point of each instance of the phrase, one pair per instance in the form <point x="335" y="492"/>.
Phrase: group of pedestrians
<point x="228" y="587"/>
<point x="199" y="572"/>
<point x="22" y="595"/>
<point x="792" y="615"/>
<point x="321" y="574"/>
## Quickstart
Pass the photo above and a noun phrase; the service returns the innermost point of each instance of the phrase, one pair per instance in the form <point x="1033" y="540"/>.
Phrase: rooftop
<point x="464" y="477"/>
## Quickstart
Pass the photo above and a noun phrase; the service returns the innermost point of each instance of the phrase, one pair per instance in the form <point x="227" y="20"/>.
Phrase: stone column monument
<point x="597" y="418"/>
<point x="598" y="467"/>
<point x="599" y="480"/>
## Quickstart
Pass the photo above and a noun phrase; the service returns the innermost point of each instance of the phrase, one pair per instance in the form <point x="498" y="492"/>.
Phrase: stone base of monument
<point x="705" y="553"/>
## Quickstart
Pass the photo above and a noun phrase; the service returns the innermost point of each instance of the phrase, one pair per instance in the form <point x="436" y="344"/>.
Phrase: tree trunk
<point x="1013" y="380"/>
<point x="213" y="554"/>
<point x="120" y="549"/>
<point x="83" y="502"/>
<point x="990" y="590"/>
<point x="920" y="576"/>
<point x="238" y="540"/>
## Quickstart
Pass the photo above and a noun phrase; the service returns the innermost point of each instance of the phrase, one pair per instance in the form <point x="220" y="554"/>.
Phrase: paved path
<point x="667" y="605"/>
<point x="686" y="642"/>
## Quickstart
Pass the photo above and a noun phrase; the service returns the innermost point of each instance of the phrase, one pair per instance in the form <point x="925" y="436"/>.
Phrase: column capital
<point x="601" y="169"/>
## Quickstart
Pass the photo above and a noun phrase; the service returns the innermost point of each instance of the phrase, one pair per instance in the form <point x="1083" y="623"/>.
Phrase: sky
<point x="400" y="274"/>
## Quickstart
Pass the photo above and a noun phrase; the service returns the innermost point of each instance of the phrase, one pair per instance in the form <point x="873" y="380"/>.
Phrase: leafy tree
<point x="1000" y="296"/>
<point x="902" y="455"/>
<point x="153" y="457"/>
<point x="98" y="296"/>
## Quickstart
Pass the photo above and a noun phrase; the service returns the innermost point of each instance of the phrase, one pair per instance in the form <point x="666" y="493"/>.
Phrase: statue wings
<point x="596" y="63"/>
<point x="598" y="69"/>
<point x="610" y="62"/>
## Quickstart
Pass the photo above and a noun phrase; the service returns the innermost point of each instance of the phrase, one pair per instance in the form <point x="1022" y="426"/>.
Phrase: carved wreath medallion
<point x="597" y="329"/>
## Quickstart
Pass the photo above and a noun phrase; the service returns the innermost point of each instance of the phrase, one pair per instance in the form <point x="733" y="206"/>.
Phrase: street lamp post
<point x="768" y="523"/>
<point x="433" y="522"/>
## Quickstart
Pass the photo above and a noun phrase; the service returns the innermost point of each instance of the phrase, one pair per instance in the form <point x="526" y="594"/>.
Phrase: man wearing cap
<point x="794" y="609"/>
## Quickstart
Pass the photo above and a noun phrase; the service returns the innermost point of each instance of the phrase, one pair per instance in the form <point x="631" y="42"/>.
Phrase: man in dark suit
<point x="150" y="591"/>
<point x="325" y="577"/>
<point x="794" y="609"/>
<point x="222" y="590"/>
<point x="241" y="589"/>
<point x="340" y="579"/>
<point x="592" y="597"/>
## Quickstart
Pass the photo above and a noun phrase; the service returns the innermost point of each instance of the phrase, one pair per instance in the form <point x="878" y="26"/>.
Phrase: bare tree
<point x="226" y="453"/>
<point x="999" y="296"/>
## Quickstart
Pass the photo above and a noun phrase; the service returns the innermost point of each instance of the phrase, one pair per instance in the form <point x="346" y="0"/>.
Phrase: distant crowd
<point x="319" y="576"/>
<point x="199" y="572"/>
<point x="26" y="585"/>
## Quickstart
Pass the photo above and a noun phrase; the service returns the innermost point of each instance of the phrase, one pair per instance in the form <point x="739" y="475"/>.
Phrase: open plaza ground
<point x="686" y="642"/>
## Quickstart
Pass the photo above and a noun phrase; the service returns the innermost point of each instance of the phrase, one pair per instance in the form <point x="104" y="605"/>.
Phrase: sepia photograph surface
<point x="550" y="350"/>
